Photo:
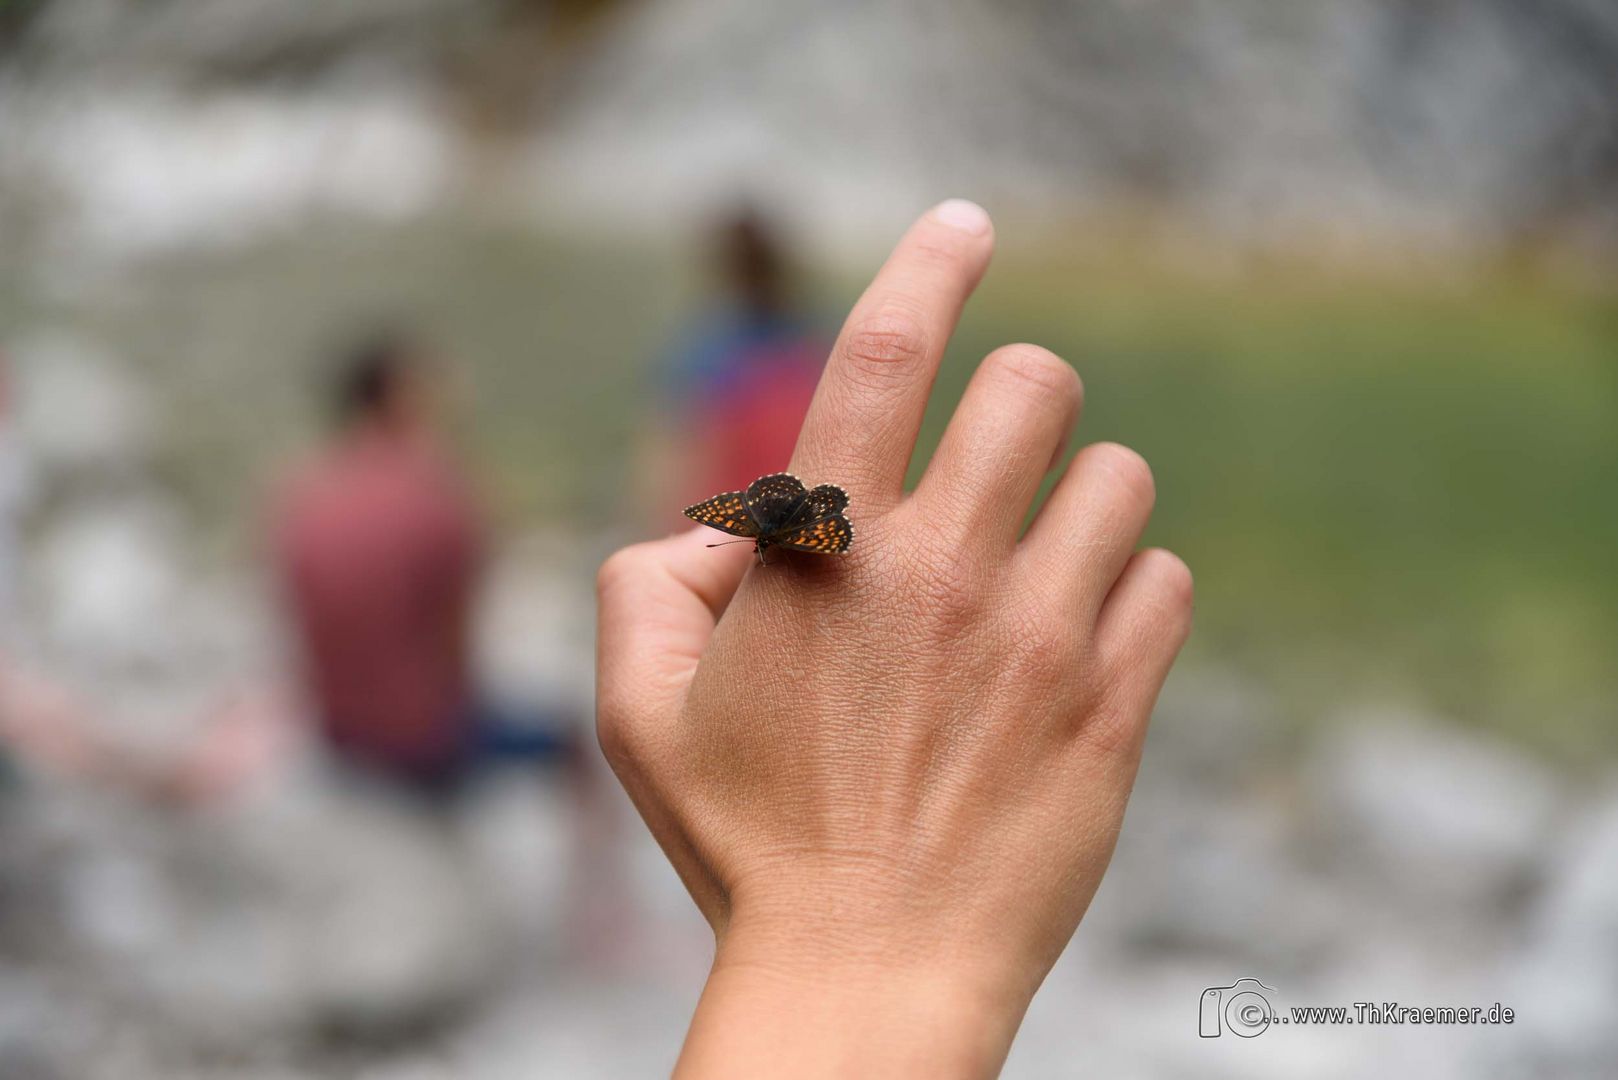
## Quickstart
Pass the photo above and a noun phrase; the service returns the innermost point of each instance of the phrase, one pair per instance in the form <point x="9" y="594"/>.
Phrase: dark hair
<point x="750" y="259"/>
<point x="369" y="376"/>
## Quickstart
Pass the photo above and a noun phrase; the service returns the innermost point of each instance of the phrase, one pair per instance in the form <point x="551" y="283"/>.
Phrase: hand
<point x="892" y="780"/>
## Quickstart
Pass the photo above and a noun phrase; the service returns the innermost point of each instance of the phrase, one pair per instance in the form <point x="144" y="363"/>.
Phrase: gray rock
<point x="303" y="911"/>
<point x="1194" y="876"/>
<point x="176" y="172"/>
<point x="1432" y="813"/>
<point x="1358" y="119"/>
<point x="1212" y="730"/>
<point x="78" y="406"/>
<point x="1564" y="983"/>
<point x="103" y="569"/>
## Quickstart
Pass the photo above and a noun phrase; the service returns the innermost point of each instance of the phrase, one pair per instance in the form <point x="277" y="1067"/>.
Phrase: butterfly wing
<point x="823" y="502"/>
<point x="774" y="501"/>
<point x="726" y="512"/>
<point x="829" y="536"/>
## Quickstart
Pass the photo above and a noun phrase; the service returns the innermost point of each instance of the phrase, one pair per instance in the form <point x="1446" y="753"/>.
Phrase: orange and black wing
<point x="726" y="512"/>
<point x="823" y="502"/>
<point x="815" y="505"/>
<point x="776" y="501"/>
<point x="829" y="536"/>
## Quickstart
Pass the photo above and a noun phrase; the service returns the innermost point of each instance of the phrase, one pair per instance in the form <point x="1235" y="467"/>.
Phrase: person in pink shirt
<point x="378" y="544"/>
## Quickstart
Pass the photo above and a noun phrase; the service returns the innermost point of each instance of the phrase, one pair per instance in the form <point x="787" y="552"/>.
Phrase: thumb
<point x="657" y="607"/>
<point x="658" y="603"/>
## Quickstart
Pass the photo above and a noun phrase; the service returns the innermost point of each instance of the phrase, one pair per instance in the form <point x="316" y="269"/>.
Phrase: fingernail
<point x="962" y="214"/>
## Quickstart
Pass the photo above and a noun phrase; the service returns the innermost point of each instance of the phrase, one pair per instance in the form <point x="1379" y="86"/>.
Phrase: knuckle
<point x="621" y="567"/>
<point x="956" y="607"/>
<point x="1111" y="730"/>
<point x="888" y="341"/>
<point x="949" y="591"/>
<point x="1040" y="653"/>
<point x="611" y="734"/>
<point x="622" y="734"/>
<point x="1127" y="471"/>
<point x="1036" y="370"/>
<point x="937" y="248"/>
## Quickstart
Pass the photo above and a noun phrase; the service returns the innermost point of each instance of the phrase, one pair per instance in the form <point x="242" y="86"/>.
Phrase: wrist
<point x="778" y="1004"/>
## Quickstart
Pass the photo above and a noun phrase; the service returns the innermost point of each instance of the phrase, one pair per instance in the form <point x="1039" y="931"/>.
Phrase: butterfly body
<point x="778" y="511"/>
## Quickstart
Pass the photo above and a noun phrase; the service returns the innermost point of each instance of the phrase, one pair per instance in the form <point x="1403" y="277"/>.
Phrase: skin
<point x="892" y="780"/>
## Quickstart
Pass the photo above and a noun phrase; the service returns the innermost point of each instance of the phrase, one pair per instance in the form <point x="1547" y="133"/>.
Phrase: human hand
<point x="892" y="780"/>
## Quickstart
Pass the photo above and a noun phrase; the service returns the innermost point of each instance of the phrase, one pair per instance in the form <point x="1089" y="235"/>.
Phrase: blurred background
<point x="494" y="272"/>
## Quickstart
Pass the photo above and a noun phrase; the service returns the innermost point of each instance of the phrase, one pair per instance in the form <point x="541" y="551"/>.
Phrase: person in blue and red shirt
<point x="738" y="384"/>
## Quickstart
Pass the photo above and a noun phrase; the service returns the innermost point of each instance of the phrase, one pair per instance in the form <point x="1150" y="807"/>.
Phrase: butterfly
<point x="777" y="511"/>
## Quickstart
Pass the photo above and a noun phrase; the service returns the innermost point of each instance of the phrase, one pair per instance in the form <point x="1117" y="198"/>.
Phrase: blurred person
<point x="739" y="381"/>
<point x="892" y="779"/>
<point x="48" y="728"/>
<point x="378" y="545"/>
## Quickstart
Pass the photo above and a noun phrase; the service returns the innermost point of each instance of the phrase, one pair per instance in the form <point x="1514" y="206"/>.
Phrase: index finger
<point x="862" y="425"/>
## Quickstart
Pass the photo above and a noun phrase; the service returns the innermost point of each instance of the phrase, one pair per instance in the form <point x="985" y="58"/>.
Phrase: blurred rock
<point x="1564" y="985"/>
<point x="1433" y="813"/>
<point x="26" y="1046"/>
<point x="110" y="577"/>
<point x="393" y="932"/>
<point x="321" y="911"/>
<point x="1198" y="876"/>
<point x="78" y="407"/>
<point x="227" y="41"/>
<point x="1208" y="846"/>
<point x="173" y="172"/>
<point x="119" y="608"/>
<point x="17" y="491"/>
<point x="1430" y="126"/>
<point x="1340" y="123"/>
<point x="1211" y="730"/>
<point x="532" y="639"/>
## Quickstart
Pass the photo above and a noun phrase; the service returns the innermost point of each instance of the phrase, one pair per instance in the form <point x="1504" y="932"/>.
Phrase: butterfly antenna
<point x="722" y="543"/>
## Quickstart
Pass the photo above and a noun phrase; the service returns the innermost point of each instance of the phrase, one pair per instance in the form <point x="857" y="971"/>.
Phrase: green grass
<point x="1385" y="491"/>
